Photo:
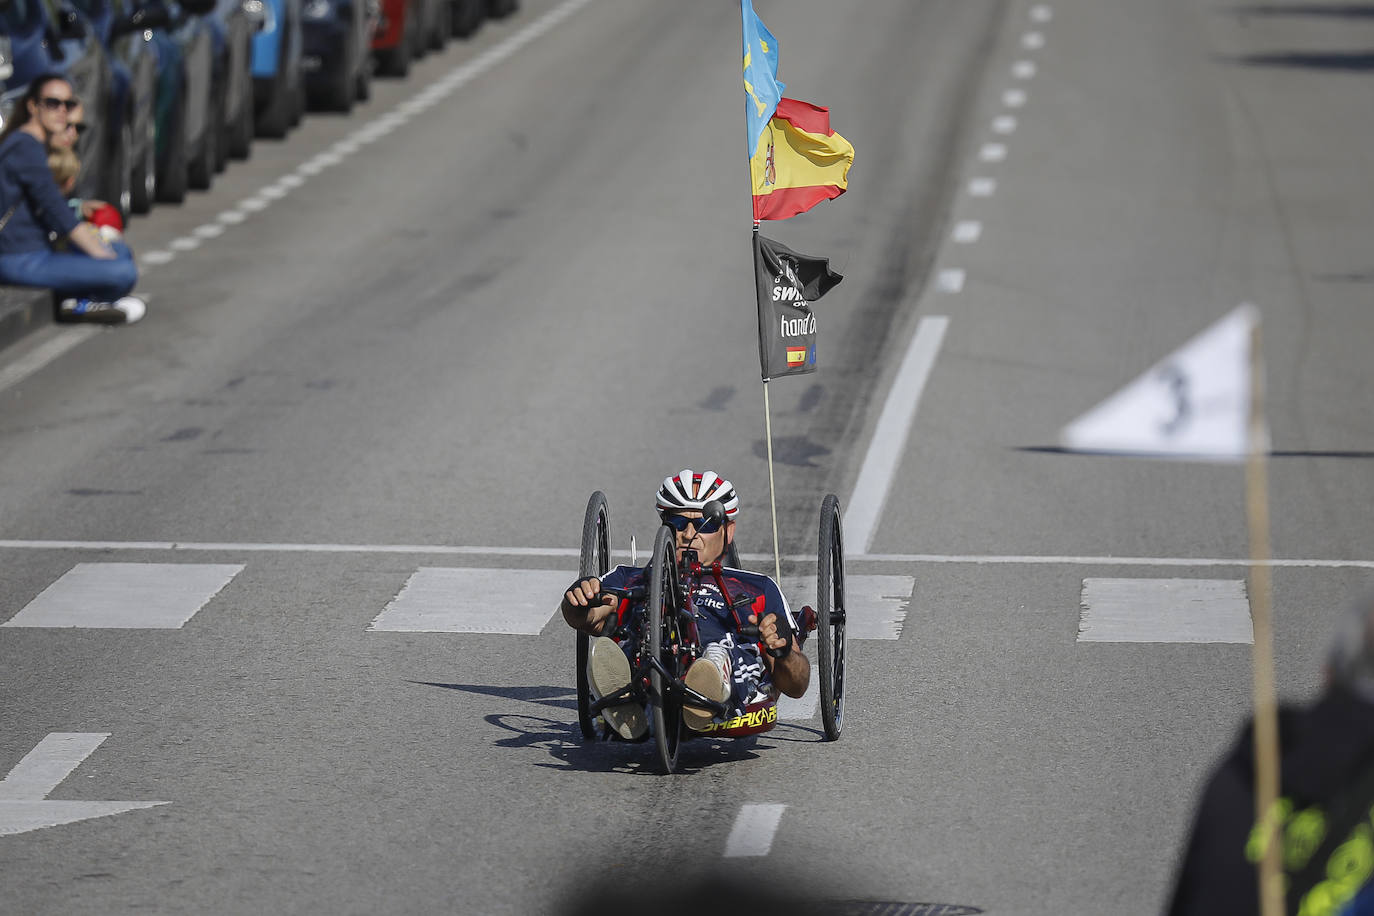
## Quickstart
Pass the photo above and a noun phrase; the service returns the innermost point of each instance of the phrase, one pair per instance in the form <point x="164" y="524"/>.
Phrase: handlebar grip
<point x="751" y="632"/>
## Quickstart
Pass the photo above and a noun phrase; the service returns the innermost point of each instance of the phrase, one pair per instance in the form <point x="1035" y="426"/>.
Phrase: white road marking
<point x="449" y="600"/>
<point x="1023" y="69"/>
<point x="974" y="559"/>
<point x="967" y="231"/>
<point x="23" y="793"/>
<point x="982" y="187"/>
<point x="1032" y="41"/>
<point x="126" y="595"/>
<point x="877" y="605"/>
<point x="155" y="258"/>
<point x="992" y="152"/>
<point x="1165" y="610"/>
<point x="1041" y="13"/>
<point x="949" y="280"/>
<point x="805" y="707"/>
<point x="890" y="435"/>
<point x="1004" y="124"/>
<point x="208" y="231"/>
<point x="14" y="372"/>
<point x="184" y="243"/>
<point x="232" y="217"/>
<point x="752" y="835"/>
<point x="1014" y="98"/>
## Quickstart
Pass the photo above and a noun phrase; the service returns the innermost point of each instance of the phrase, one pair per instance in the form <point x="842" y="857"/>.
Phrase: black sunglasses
<point x="52" y="103"/>
<point x="79" y="128"/>
<point x="683" y="522"/>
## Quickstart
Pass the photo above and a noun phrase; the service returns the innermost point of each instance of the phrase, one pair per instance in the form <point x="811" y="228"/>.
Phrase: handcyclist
<point x="731" y="670"/>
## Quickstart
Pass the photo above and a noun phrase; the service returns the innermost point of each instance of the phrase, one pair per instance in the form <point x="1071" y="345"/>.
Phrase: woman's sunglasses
<point x="683" y="522"/>
<point x="52" y="103"/>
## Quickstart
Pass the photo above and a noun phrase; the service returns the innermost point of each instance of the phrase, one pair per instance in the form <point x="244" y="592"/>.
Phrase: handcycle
<point x="664" y="643"/>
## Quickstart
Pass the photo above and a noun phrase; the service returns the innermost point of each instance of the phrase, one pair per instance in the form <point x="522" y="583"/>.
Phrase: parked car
<point x="235" y="24"/>
<point x="278" y="85"/>
<point x="407" y="30"/>
<point x="126" y="31"/>
<point x="188" y="129"/>
<point x="49" y="36"/>
<point x="338" y="43"/>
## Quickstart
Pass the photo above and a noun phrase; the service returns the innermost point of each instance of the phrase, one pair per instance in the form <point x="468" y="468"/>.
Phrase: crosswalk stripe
<point x="126" y="595"/>
<point x="876" y="605"/>
<point x="466" y="600"/>
<point x="1165" y="610"/>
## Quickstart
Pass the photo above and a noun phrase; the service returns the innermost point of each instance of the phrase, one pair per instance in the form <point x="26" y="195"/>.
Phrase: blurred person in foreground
<point x="1326" y="805"/>
<point x="93" y="282"/>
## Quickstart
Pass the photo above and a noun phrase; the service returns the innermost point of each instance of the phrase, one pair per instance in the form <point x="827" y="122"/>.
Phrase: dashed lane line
<point x="752" y="835"/>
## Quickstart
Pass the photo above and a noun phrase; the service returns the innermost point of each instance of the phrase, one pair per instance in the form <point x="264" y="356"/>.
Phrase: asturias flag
<point x="760" y="75"/>
<point x="787" y="282"/>
<point x="798" y="161"/>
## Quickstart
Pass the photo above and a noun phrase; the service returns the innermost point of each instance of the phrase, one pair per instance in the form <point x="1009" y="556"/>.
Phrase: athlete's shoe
<point x="710" y="677"/>
<point x="126" y="310"/>
<point x="608" y="670"/>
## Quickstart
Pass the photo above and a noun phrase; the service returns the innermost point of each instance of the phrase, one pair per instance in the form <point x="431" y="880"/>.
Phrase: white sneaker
<point x="608" y="670"/>
<point x="122" y="311"/>
<point x="710" y="677"/>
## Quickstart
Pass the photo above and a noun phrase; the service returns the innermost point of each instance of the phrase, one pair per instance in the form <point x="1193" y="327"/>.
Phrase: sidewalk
<point x="23" y="310"/>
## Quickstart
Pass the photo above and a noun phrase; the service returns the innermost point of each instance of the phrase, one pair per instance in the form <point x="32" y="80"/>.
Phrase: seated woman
<point x="92" y="283"/>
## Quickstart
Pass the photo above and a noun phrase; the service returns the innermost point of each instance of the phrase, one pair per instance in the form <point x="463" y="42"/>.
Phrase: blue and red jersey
<point x="713" y="618"/>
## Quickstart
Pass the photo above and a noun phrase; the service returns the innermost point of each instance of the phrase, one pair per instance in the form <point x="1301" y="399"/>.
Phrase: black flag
<point x="786" y="282"/>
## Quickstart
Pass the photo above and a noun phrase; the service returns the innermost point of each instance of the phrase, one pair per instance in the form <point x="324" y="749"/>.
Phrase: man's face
<point x="710" y="547"/>
<point x="72" y="132"/>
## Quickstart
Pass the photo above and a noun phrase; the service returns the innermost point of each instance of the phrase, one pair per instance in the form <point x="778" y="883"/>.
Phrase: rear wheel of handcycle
<point x="660" y="638"/>
<point x="830" y="617"/>
<point x="595" y="561"/>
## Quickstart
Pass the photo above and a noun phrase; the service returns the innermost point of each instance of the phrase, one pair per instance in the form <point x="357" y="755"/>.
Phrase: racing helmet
<point x="687" y="490"/>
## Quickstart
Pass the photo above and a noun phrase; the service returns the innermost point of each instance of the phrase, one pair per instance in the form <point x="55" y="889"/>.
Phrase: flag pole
<point x="768" y="428"/>
<point x="1266" y="729"/>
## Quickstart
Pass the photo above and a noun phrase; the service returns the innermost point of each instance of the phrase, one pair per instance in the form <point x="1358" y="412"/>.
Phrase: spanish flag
<point x="799" y="161"/>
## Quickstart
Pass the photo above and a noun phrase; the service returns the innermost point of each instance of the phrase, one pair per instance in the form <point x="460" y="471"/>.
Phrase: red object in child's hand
<point x="108" y="215"/>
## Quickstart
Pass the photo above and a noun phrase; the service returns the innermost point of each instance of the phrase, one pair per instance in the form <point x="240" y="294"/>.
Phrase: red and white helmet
<point x="690" y="490"/>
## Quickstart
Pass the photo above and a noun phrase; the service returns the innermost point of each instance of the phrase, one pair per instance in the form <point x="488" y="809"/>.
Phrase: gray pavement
<point x="430" y="344"/>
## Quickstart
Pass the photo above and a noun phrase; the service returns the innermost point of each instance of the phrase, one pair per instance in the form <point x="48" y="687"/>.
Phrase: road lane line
<point x="126" y="596"/>
<point x="890" y="435"/>
<point x="459" y="600"/>
<point x="51" y="761"/>
<point x="1165" y="611"/>
<point x="572" y="552"/>
<point x="752" y="835"/>
<point x="65" y="338"/>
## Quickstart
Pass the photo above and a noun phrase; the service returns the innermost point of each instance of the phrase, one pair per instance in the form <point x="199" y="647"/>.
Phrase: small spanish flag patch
<point x="796" y="356"/>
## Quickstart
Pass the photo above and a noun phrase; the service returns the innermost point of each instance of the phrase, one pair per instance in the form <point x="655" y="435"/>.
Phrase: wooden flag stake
<point x="1266" y="730"/>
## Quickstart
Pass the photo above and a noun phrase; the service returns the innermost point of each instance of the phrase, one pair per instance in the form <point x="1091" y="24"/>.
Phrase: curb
<point x="23" y="310"/>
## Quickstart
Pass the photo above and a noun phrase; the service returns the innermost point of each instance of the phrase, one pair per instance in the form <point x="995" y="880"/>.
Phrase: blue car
<point x="238" y="21"/>
<point x="278" y="86"/>
<point x="126" y="31"/>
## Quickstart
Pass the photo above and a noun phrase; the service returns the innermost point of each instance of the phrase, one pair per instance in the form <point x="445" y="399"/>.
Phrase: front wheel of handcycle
<point x="595" y="561"/>
<point x="660" y="639"/>
<point x="830" y="617"/>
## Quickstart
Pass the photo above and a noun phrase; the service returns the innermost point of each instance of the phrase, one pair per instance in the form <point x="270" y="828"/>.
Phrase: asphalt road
<point x="415" y="340"/>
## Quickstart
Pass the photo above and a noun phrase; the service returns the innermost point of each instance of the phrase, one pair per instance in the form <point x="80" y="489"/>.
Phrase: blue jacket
<point x="25" y="180"/>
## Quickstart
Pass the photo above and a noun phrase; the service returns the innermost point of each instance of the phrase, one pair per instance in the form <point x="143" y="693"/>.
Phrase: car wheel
<point x="342" y="86"/>
<point x="467" y="15"/>
<point x="172" y="182"/>
<point x="143" y="179"/>
<point x="222" y="131"/>
<point x="241" y="132"/>
<point x="443" y="25"/>
<point x="500" y="9"/>
<point x="396" y="61"/>
<point x="364" y="82"/>
<point x="200" y="173"/>
<point x="120" y="181"/>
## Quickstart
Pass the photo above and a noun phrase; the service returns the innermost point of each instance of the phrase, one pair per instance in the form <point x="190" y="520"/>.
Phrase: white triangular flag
<point x="1194" y="403"/>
